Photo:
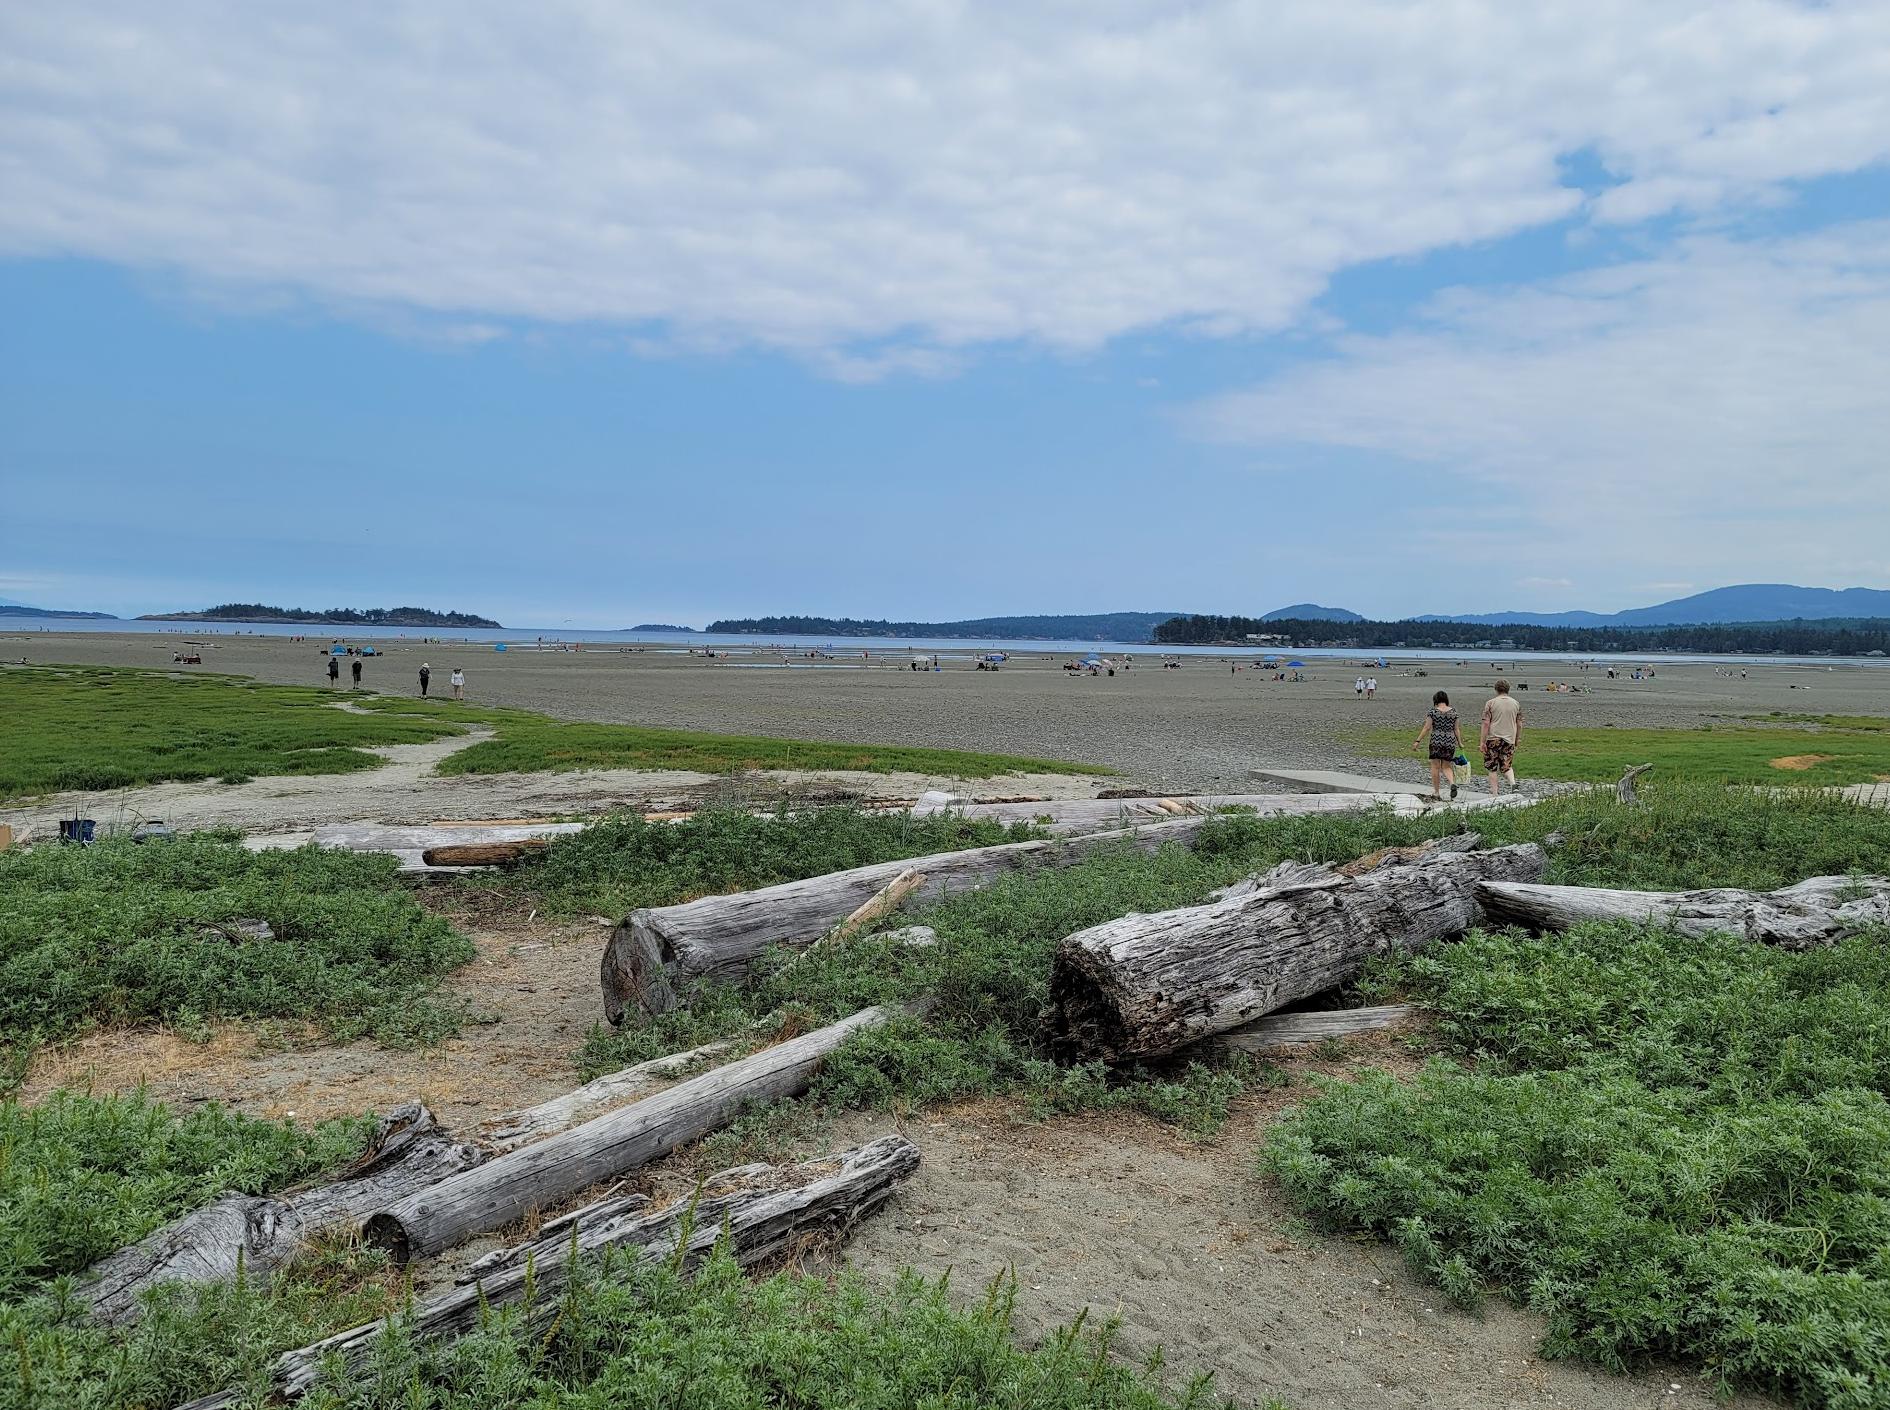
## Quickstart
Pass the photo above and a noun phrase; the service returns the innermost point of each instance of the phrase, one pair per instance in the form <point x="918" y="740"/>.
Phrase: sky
<point x="600" y="313"/>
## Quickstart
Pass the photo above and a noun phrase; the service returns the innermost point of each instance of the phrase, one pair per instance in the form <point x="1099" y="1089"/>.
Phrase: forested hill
<point x="1832" y="636"/>
<point x="1101" y="626"/>
<point x="332" y="617"/>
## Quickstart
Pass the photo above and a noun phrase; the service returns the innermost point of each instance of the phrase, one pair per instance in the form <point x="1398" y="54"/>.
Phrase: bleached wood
<point x="1147" y="985"/>
<point x="516" y="1128"/>
<point x="1624" y="790"/>
<point x="762" y="1211"/>
<point x="658" y="954"/>
<point x="408" y="1152"/>
<point x="1819" y="911"/>
<point x="1281" y="1030"/>
<point x="554" y="1170"/>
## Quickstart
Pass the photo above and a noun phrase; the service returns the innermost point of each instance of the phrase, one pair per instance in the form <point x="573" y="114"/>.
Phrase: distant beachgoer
<point x="1358" y="687"/>
<point x="334" y="671"/>
<point x="354" y="668"/>
<point x="1371" y="687"/>
<point x="426" y="674"/>
<point x="1500" y="733"/>
<point x="1440" y="727"/>
<point x="459" y="683"/>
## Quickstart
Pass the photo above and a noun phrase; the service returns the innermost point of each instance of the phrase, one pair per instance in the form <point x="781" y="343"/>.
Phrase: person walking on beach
<point x="354" y="669"/>
<point x="1440" y="726"/>
<point x="334" y="671"/>
<point x="426" y="674"/>
<point x="1358" y="688"/>
<point x="1501" y="732"/>
<point x="459" y="684"/>
<point x="1371" y="687"/>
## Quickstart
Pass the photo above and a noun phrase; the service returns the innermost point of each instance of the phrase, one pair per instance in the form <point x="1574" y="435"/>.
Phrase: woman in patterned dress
<point x="1440" y="727"/>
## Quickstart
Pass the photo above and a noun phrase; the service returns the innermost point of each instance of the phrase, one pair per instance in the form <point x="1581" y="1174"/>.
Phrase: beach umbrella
<point x="1295" y="665"/>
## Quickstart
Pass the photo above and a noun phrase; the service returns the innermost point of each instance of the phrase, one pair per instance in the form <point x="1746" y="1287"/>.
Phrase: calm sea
<point x="845" y="647"/>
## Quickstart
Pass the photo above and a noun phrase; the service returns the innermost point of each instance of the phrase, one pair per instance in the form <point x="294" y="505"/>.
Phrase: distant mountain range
<point x="1103" y="626"/>
<point x="21" y="609"/>
<point x="1746" y="602"/>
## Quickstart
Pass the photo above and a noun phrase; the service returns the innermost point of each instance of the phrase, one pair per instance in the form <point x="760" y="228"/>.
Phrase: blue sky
<point x="932" y="311"/>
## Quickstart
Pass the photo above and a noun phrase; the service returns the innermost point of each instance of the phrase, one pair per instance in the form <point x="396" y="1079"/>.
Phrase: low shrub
<point x="121" y="932"/>
<point x="1671" y="1146"/>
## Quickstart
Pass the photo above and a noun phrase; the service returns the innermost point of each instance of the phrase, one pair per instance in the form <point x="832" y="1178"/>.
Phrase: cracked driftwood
<point x="658" y="953"/>
<point x="763" y="1210"/>
<point x="1815" y="912"/>
<point x="517" y="1128"/>
<point x="408" y="1152"/>
<point x="553" y="1170"/>
<point x="1147" y="985"/>
<point x="1281" y="1030"/>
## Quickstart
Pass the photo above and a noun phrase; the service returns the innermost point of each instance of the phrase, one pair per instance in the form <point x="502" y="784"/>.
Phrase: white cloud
<point x="1721" y="405"/>
<point x="917" y="177"/>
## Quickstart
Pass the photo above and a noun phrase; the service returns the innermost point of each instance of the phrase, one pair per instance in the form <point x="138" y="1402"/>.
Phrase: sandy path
<point x="1199" y="1255"/>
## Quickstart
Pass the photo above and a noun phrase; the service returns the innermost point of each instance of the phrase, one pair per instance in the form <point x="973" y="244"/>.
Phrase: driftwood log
<point x="763" y="1210"/>
<point x="483" y="854"/>
<point x="555" y="1169"/>
<point x="657" y="954"/>
<point x="517" y="1128"/>
<point x="408" y="1152"/>
<point x="1284" y="1030"/>
<point x="1815" y="912"/>
<point x="1147" y="985"/>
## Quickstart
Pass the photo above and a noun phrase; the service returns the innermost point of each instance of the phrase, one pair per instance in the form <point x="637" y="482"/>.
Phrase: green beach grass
<point x="94" y="727"/>
<point x="1809" y="749"/>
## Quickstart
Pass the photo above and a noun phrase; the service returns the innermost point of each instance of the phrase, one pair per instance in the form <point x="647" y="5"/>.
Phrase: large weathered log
<point x="1147" y="985"/>
<point x="764" y="1211"/>
<point x="1815" y="912"/>
<point x="407" y="1153"/>
<point x="539" y="1176"/>
<point x="657" y="954"/>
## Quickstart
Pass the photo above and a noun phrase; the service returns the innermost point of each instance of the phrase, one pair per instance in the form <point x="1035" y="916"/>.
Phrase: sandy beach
<point x="1200" y="727"/>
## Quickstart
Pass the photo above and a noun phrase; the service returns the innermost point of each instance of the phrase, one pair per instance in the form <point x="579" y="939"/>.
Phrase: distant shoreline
<point x="395" y="618"/>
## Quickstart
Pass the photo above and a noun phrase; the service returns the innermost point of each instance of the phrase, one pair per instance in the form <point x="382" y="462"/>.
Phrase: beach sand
<point x="1198" y="728"/>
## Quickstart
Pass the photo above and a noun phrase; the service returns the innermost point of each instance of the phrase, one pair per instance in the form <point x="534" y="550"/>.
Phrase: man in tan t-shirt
<point x="1501" y="732"/>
